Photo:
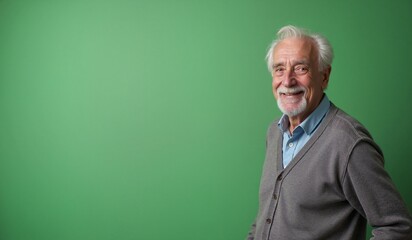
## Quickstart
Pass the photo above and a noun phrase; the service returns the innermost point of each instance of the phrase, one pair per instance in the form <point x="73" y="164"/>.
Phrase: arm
<point x="372" y="193"/>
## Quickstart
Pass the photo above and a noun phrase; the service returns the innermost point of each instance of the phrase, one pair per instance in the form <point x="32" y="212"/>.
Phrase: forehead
<point x="291" y="49"/>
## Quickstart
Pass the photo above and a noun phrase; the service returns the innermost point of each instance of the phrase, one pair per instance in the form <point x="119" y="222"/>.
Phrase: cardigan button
<point x="274" y="196"/>
<point x="280" y="177"/>
<point x="268" y="221"/>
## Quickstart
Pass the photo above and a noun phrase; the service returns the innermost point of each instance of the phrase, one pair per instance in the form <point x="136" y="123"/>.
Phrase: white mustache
<point x="292" y="90"/>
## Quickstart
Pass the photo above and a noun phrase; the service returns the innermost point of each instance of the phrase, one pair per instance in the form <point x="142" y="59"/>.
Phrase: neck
<point x="294" y="122"/>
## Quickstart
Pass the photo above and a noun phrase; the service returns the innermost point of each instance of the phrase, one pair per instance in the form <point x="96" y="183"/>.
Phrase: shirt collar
<point x="312" y="121"/>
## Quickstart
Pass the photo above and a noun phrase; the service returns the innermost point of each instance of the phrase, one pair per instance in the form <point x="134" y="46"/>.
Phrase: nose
<point x="289" y="78"/>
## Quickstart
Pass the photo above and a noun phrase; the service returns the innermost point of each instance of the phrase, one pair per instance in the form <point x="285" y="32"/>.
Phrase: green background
<point x="147" y="119"/>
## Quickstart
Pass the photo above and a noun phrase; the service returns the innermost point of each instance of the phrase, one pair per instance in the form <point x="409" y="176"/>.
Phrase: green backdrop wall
<point x="147" y="119"/>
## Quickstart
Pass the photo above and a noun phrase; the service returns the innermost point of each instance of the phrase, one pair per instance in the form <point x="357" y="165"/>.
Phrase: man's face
<point x="297" y="84"/>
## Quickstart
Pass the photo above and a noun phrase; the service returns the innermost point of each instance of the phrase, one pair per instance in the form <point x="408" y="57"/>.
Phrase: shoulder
<point x="344" y="125"/>
<point x="343" y="133"/>
<point x="273" y="130"/>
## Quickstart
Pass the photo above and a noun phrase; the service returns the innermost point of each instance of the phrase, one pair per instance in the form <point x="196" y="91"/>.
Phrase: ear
<point x="325" y="77"/>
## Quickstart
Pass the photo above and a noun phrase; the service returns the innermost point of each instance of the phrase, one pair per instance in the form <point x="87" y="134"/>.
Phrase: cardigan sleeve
<point x="370" y="190"/>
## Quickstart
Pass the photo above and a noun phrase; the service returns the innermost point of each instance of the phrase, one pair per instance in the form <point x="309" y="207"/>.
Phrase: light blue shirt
<point x="293" y="143"/>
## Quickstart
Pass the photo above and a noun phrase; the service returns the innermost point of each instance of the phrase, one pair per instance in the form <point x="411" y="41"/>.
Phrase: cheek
<point x="307" y="84"/>
<point x="275" y="85"/>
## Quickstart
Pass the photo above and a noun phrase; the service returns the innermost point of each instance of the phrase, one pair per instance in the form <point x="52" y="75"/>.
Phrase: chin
<point x="293" y="111"/>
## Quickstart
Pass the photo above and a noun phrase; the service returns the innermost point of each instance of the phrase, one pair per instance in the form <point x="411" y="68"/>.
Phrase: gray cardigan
<point x="331" y="188"/>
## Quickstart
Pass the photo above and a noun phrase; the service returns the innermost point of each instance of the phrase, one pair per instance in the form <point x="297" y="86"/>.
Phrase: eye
<point x="279" y="70"/>
<point x="301" y="69"/>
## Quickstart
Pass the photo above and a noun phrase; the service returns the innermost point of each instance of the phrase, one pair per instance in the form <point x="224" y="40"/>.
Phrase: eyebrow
<point x="277" y="65"/>
<point x="304" y="62"/>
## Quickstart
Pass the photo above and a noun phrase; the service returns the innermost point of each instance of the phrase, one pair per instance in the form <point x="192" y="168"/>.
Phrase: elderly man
<point x="323" y="176"/>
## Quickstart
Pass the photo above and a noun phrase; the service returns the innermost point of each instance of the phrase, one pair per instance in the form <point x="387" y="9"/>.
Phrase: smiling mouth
<point x="291" y="94"/>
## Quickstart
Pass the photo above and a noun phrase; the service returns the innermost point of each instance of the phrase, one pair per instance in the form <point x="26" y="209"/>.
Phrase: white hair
<point x="325" y="51"/>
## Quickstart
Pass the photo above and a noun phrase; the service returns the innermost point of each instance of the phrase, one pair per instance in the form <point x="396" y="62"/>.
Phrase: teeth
<point x="291" y="91"/>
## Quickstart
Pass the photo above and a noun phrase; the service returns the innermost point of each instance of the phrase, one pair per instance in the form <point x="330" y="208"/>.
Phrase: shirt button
<point x="268" y="221"/>
<point x="291" y="144"/>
